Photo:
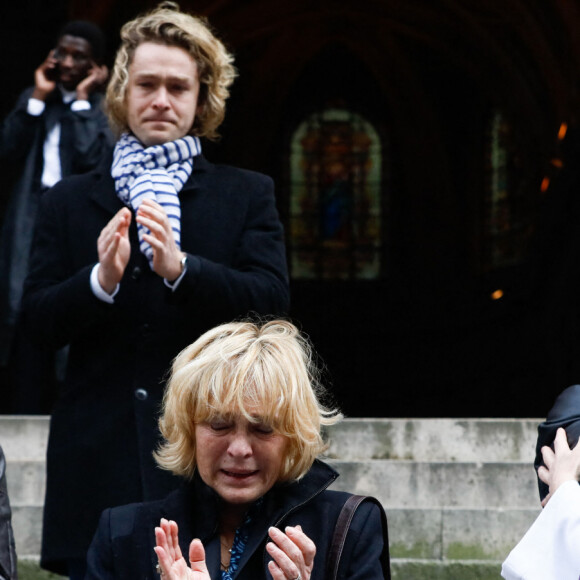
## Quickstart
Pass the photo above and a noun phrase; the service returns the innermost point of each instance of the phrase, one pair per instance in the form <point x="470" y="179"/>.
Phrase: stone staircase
<point x="24" y="439"/>
<point x="459" y="493"/>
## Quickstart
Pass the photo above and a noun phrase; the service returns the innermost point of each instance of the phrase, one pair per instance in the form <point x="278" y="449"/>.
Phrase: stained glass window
<point x="335" y="198"/>
<point x="508" y="210"/>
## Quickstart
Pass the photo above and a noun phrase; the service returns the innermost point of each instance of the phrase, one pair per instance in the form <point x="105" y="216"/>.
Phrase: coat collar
<point x="282" y="500"/>
<point x="195" y="507"/>
<point x="56" y="97"/>
<point x="103" y="187"/>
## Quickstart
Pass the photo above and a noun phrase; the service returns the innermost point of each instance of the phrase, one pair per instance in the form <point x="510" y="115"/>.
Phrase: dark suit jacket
<point x="85" y="138"/>
<point x="103" y="427"/>
<point x="123" y="545"/>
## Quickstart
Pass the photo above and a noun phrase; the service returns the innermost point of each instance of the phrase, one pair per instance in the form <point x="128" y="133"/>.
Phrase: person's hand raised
<point x="292" y="554"/>
<point x="114" y="250"/>
<point x="44" y="81"/>
<point x="172" y="564"/>
<point x="561" y="465"/>
<point x="96" y="78"/>
<point x="166" y="255"/>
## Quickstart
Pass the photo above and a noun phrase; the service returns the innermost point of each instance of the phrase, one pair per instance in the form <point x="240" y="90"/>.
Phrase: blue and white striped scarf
<point x="159" y="173"/>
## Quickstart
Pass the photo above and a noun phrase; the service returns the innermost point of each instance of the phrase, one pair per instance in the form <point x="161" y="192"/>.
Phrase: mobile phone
<point x="53" y="74"/>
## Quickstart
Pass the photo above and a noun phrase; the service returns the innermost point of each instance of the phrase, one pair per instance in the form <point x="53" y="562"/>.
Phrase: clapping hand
<point x="114" y="250"/>
<point x="292" y="552"/>
<point x="166" y="255"/>
<point x="172" y="564"/>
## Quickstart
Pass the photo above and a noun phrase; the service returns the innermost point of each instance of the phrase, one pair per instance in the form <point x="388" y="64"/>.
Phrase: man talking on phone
<point x="57" y="128"/>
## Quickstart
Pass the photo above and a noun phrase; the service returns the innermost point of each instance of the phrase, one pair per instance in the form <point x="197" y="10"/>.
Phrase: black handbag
<point x="341" y="530"/>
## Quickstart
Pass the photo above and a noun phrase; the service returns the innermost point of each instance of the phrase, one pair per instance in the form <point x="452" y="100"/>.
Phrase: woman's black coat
<point x="103" y="427"/>
<point x="123" y="545"/>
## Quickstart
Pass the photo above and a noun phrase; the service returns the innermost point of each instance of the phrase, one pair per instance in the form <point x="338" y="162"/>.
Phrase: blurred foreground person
<point x="241" y="422"/>
<point x="549" y="550"/>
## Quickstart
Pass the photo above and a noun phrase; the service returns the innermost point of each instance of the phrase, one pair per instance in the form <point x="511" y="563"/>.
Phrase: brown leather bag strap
<point x="341" y="530"/>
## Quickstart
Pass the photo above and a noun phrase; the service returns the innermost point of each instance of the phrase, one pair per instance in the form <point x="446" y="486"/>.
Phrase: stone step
<point x="394" y="483"/>
<point x="456" y="533"/>
<point x="26" y="481"/>
<point x="428" y="507"/>
<point x="461" y="440"/>
<point x="459" y="493"/>
<point x="27" y="526"/>
<point x="29" y="569"/>
<point x="401" y="569"/>
<point x="417" y="534"/>
<point x="485" y="440"/>
<point x="24" y="436"/>
<point x="429" y="485"/>
<point x="445" y="570"/>
<point x="446" y="533"/>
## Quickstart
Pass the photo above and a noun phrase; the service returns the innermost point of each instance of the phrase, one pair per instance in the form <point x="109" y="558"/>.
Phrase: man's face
<point x="75" y="59"/>
<point x="161" y="94"/>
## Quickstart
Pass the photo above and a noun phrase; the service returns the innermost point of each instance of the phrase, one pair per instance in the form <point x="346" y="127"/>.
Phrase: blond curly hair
<point x="167" y="25"/>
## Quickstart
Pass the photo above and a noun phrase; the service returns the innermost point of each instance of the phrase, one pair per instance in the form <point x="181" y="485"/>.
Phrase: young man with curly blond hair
<point x="134" y="261"/>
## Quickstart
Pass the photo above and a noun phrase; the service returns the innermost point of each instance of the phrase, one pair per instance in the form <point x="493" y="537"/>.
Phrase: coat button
<point x="141" y="394"/>
<point x="136" y="273"/>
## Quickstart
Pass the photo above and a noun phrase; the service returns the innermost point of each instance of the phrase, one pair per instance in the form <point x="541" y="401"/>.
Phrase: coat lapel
<point x="103" y="191"/>
<point x="194" y="184"/>
<point x="194" y="506"/>
<point x="281" y="501"/>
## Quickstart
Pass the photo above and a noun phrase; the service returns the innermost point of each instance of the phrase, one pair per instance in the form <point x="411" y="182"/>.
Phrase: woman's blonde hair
<point x="169" y="26"/>
<point x="238" y="368"/>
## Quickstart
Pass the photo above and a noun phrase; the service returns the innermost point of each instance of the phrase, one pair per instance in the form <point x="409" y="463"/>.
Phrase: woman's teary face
<point x="238" y="459"/>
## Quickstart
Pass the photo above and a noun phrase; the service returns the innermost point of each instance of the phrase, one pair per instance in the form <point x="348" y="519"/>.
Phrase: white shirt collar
<point x="67" y="96"/>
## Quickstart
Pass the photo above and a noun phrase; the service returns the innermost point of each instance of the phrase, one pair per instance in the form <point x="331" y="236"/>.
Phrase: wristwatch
<point x="183" y="263"/>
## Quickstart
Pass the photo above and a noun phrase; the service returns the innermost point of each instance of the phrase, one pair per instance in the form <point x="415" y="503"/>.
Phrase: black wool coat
<point x="123" y="545"/>
<point x="104" y="424"/>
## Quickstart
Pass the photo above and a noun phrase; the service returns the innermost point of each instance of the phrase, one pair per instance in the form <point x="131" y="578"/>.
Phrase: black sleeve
<point x="100" y="564"/>
<point x="365" y="541"/>
<point x="258" y="278"/>
<point x="58" y="302"/>
<point x="18" y="130"/>
<point x="91" y="137"/>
